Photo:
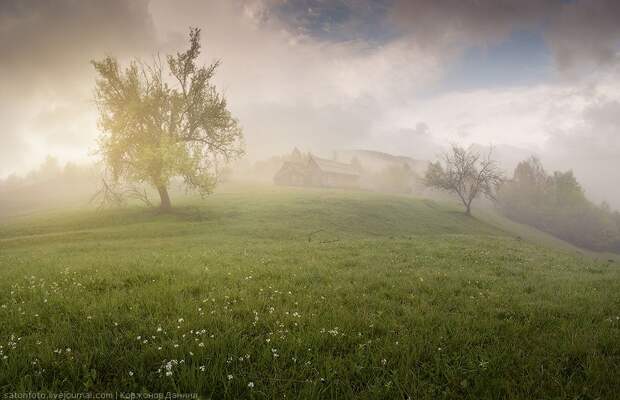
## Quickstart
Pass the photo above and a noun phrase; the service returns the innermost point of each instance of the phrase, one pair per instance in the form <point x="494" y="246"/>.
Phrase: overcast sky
<point x="402" y="76"/>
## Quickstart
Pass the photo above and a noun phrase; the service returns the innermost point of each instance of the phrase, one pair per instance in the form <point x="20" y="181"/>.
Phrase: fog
<point x="402" y="77"/>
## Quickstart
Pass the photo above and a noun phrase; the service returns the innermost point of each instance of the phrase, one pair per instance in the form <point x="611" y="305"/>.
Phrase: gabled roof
<point x="334" y="167"/>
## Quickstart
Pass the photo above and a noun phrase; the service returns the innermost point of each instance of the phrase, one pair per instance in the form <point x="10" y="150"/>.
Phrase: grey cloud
<point x="592" y="149"/>
<point x="597" y="137"/>
<point x="37" y="35"/>
<point x="579" y="33"/>
<point x="586" y="33"/>
<point x="447" y="23"/>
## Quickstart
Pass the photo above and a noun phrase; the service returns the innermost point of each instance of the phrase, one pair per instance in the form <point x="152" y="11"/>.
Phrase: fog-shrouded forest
<point x="310" y="199"/>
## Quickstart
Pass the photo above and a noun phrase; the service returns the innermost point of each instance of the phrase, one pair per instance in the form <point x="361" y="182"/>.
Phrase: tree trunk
<point x="468" y="210"/>
<point x="165" y="198"/>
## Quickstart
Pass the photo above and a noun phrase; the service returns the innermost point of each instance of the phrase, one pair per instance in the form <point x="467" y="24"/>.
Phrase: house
<point x="318" y="172"/>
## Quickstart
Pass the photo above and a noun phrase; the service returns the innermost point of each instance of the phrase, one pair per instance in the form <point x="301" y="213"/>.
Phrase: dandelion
<point x="180" y="320"/>
<point x="230" y="377"/>
<point x="384" y="361"/>
<point x="202" y="368"/>
<point x="159" y="329"/>
<point x="130" y="373"/>
<point x="251" y="385"/>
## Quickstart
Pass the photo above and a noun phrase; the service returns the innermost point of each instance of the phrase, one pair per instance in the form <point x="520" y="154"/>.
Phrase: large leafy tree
<point x="161" y="123"/>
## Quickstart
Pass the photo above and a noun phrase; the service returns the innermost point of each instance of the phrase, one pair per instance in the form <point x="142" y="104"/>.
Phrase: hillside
<point x="274" y="292"/>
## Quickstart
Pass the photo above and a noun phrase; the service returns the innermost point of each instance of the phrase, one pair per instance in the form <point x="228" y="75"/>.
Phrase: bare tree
<point x="465" y="173"/>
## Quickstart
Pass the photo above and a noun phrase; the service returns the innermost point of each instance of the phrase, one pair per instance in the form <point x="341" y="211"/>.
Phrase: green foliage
<point x="557" y="204"/>
<point x="158" y="127"/>
<point x="394" y="298"/>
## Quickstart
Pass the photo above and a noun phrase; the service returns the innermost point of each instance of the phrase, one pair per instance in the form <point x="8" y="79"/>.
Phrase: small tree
<point x="159" y="126"/>
<point x="465" y="173"/>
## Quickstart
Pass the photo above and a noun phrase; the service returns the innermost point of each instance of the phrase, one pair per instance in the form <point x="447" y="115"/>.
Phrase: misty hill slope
<point x="303" y="293"/>
<point x="269" y="213"/>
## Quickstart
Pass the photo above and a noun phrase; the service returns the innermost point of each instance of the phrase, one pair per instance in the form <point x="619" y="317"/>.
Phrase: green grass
<point x="306" y="294"/>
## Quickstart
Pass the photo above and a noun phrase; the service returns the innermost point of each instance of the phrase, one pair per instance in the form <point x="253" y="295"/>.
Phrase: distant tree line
<point x="50" y="172"/>
<point x="556" y="203"/>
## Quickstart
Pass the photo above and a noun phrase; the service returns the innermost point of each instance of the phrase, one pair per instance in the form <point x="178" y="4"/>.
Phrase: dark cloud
<point x="586" y="33"/>
<point x="579" y="33"/>
<point x="447" y="23"/>
<point x="37" y="34"/>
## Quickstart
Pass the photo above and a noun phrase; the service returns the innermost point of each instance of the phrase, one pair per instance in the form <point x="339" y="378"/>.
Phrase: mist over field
<point x="364" y="199"/>
<point x="533" y="78"/>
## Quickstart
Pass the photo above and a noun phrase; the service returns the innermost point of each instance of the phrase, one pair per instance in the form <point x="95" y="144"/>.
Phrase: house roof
<point x="334" y="167"/>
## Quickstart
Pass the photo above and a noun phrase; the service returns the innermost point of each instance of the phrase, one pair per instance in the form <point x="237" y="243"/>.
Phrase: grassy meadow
<point x="284" y="293"/>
